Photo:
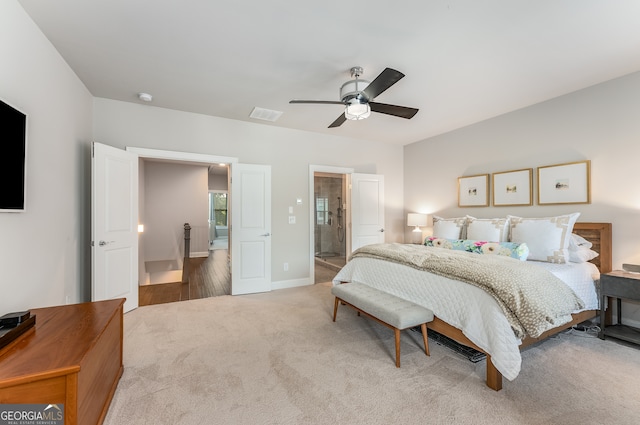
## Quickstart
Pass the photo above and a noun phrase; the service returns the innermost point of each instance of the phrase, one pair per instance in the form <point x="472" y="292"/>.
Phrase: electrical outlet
<point x="292" y="219"/>
<point x="286" y="267"/>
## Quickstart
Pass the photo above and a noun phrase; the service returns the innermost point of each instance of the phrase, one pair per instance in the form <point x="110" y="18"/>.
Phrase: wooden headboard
<point x="599" y="234"/>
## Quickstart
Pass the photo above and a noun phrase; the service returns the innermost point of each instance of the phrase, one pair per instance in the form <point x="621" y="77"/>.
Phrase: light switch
<point x="292" y="219"/>
<point x="290" y="210"/>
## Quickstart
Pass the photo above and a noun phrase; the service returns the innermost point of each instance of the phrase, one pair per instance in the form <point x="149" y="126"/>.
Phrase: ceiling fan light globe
<point x="357" y="111"/>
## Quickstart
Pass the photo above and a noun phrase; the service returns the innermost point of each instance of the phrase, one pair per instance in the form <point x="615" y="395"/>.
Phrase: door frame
<point x="198" y="158"/>
<point x="312" y="217"/>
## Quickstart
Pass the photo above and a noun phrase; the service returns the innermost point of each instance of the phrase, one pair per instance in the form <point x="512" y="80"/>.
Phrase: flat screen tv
<point x="13" y="158"/>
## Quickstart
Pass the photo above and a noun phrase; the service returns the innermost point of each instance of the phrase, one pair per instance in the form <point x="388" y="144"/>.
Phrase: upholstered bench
<point x="386" y="309"/>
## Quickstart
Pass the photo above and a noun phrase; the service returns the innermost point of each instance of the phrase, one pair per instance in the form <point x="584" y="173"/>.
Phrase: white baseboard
<point x="282" y="284"/>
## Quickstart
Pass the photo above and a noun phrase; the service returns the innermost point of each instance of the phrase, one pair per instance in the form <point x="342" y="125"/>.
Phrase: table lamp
<point x="416" y="220"/>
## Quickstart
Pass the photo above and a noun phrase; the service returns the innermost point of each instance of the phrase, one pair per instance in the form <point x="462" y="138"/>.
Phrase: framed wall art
<point x="568" y="183"/>
<point x="473" y="191"/>
<point x="513" y="188"/>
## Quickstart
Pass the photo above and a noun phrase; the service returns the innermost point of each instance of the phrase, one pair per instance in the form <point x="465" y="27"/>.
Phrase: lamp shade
<point x="417" y="220"/>
<point x="357" y="111"/>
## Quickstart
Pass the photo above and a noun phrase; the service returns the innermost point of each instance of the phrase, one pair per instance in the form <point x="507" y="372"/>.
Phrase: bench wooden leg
<point x="335" y="308"/>
<point x="397" y="332"/>
<point x="423" y="327"/>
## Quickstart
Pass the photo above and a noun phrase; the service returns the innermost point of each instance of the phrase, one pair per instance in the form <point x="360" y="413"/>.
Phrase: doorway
<point x="218" y="207"/>
<point x="182" y="183"/>
<point x="330" y="235"/>
<point x="326" y="184"/>
<point x="183" y="200"/>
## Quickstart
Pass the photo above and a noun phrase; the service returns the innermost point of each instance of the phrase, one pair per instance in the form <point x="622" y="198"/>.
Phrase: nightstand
<point x="619" y="284"/>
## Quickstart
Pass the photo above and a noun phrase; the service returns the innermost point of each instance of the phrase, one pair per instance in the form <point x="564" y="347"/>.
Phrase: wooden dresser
<point x="72" y="356"/>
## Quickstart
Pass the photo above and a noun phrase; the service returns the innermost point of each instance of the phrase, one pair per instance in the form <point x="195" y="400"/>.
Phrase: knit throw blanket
<point x="532" y="298"/>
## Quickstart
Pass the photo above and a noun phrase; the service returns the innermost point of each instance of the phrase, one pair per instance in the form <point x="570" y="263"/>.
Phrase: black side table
<point x="621" y="285"/>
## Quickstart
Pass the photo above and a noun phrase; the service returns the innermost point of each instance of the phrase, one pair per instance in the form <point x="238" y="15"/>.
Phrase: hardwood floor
<point x="208" y="277"/>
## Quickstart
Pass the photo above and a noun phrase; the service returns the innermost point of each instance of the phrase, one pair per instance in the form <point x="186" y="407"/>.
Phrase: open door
<point x="367" y="209"/>
<point x="114" y="225"/>
<point x="250" y="228"/>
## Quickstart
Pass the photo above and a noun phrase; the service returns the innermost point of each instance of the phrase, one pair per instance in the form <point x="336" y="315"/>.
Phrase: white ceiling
<point x="464" y="60"/>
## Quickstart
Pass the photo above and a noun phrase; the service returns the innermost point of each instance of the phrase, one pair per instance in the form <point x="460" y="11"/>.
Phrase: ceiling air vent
<point x="265" y="114"/>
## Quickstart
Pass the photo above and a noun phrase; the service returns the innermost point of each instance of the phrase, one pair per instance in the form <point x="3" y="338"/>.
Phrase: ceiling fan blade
<point x="386" y="79"/>
<point x="328" y="102"/>
<point x="398" y="111"/>
<point x="338" y="122"/>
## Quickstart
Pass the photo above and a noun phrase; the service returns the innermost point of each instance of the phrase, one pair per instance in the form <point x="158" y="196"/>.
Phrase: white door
<point x="114" y="225"/>
<point x="250" y="228"/>
<point x="367" y="209"/>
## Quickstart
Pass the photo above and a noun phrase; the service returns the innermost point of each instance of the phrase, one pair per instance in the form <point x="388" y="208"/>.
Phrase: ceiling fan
<point x="357" y="95"/>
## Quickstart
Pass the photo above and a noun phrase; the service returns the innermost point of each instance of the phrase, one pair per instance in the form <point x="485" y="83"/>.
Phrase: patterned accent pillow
<point x="519" y="251"/>
<point x="488" y="229"/>
<point x="450" y="228"/>
<point x="548" y="237"/>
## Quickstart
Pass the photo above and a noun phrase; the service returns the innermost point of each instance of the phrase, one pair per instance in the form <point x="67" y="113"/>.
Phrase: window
<point x="218" y="208"/>
<point x="322" y="210"/>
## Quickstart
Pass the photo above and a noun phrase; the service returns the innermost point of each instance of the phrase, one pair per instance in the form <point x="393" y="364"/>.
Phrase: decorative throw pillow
<point x="488" y="229"/>
<point x="547" y="237"/>
<point x="519" y="251"/>
<point x="449" y="228"/>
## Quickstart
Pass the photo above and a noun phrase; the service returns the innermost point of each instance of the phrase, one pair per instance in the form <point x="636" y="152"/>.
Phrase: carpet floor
<point x="277" y="358"/>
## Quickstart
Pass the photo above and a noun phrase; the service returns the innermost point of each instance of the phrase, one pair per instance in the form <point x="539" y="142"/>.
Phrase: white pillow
<point x="582" y="255"/>
<point x="488" y="229"/>
<point x="449" y="228"/>
<point x="580" y="249"/>
<point x="547" y="238"/>
<point x="577" y="242"/>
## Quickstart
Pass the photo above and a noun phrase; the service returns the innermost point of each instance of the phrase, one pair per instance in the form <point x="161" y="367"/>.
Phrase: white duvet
<point x="464" y="306"/>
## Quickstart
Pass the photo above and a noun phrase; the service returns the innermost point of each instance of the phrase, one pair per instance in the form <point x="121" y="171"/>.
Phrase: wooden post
<point x="187" y="252"/>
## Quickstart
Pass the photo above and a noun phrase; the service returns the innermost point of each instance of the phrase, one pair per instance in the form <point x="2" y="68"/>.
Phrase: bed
<point x="476" y="320"/>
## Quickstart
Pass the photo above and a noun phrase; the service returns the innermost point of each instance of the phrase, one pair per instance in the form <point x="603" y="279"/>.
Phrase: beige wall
<point x="218" y="182"/>
<point x="44" y="252"/>
<point x="174" y="194"/>
<point x="601" y="123"/>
